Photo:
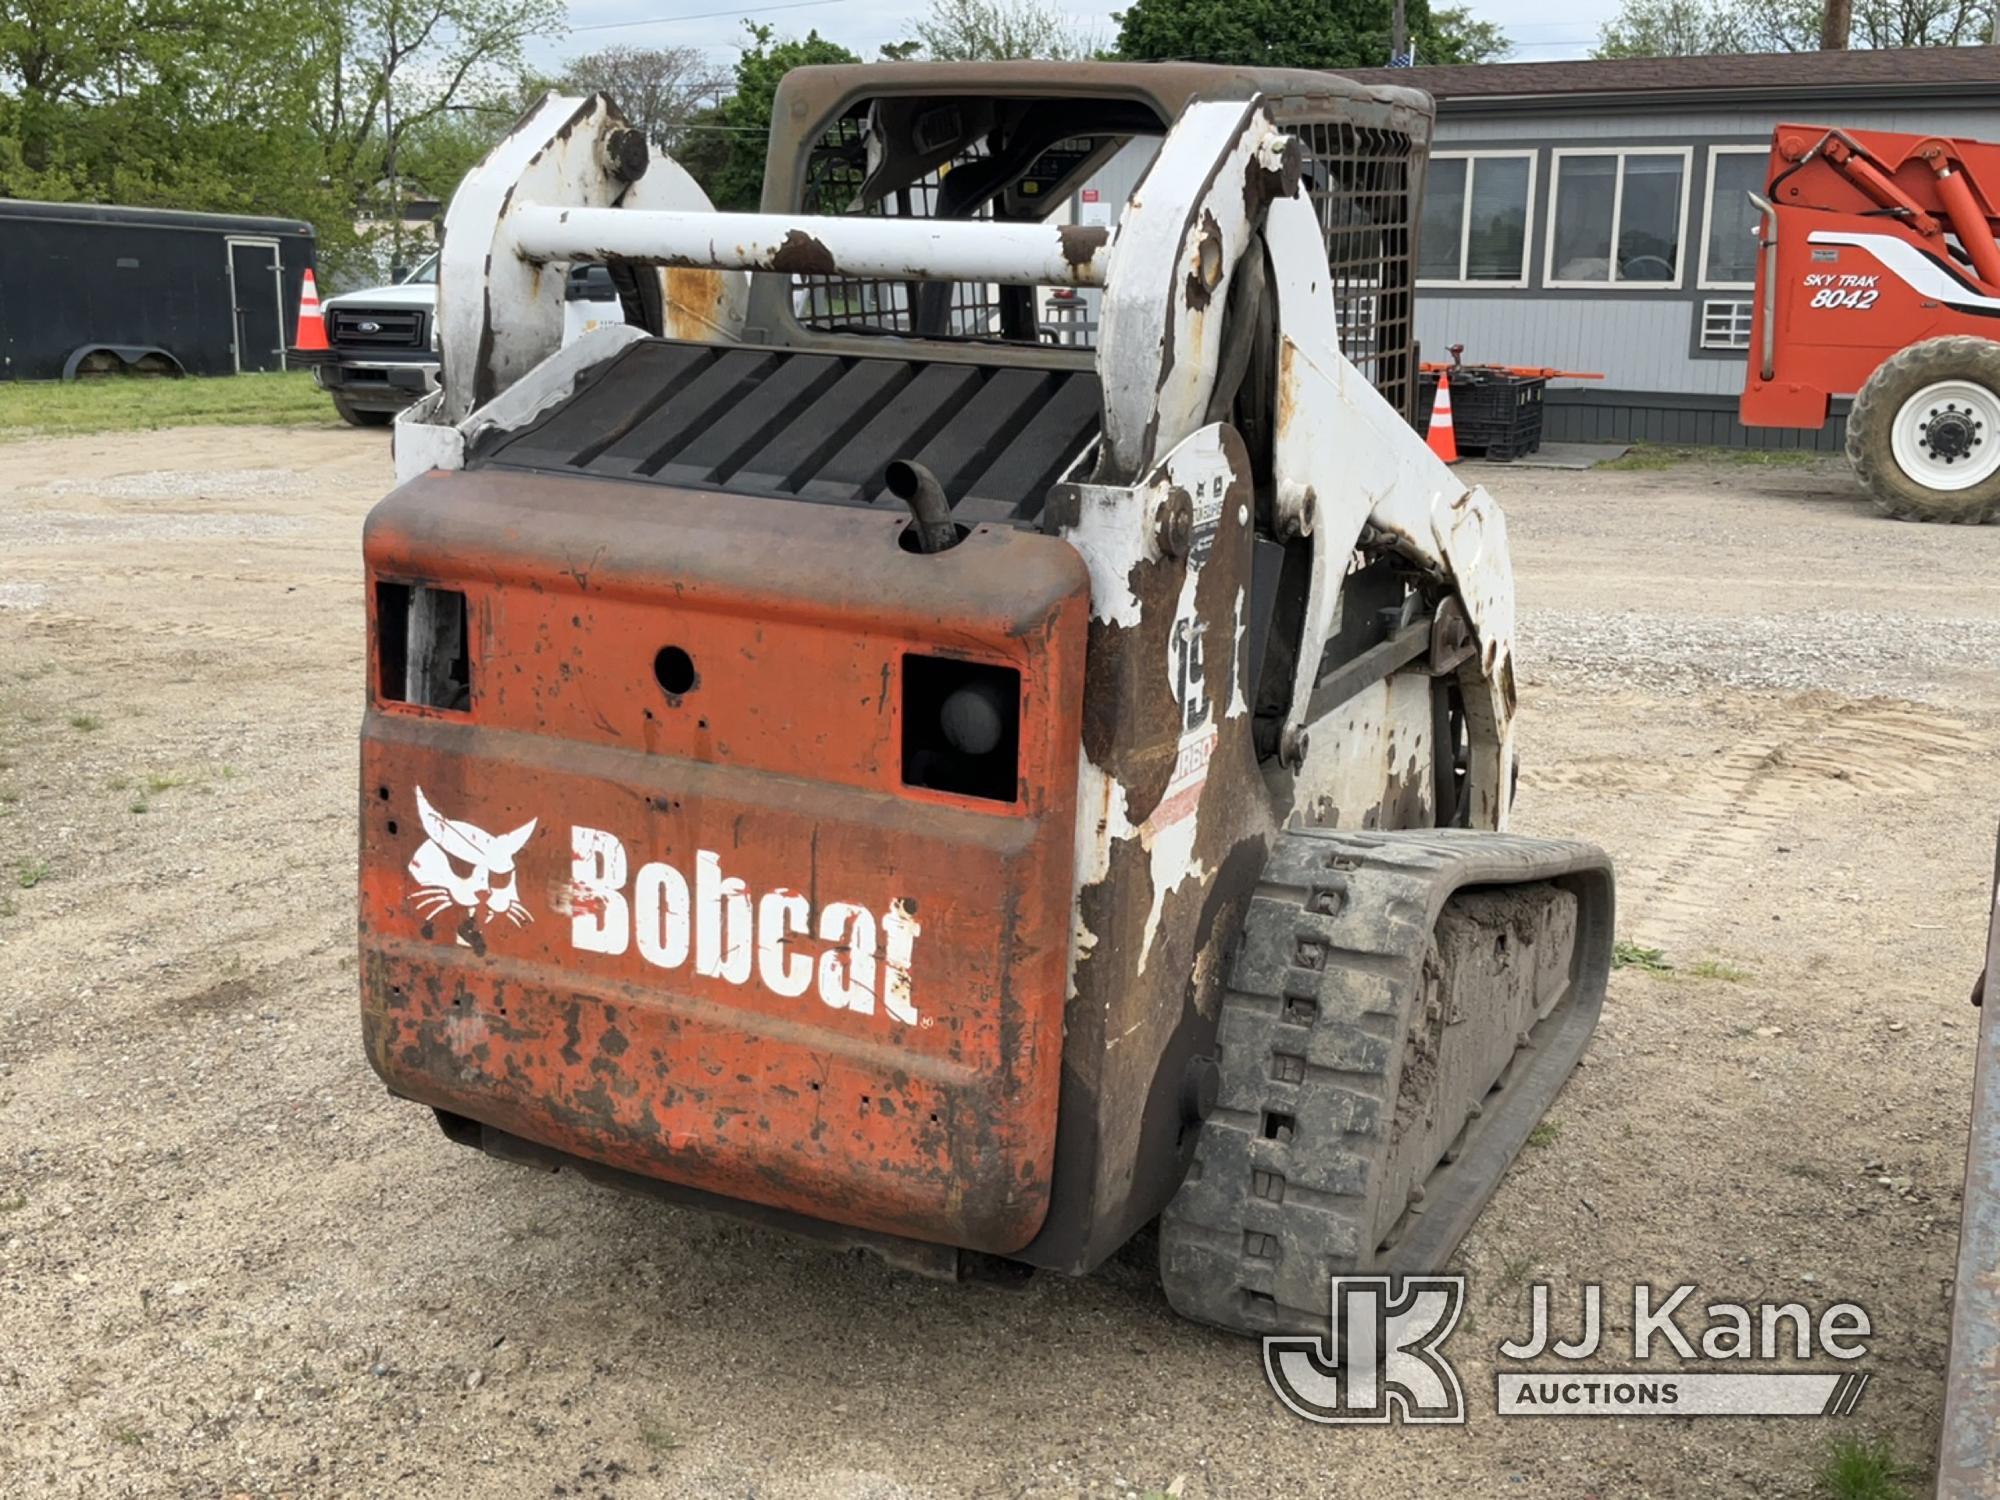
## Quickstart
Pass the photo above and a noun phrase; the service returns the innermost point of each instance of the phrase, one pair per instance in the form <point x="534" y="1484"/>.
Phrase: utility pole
<point x="1399" y="34"/>
<point x="1835" y="26"/>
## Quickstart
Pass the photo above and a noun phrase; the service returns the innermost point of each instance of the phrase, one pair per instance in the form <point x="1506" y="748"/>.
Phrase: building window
<point x="1475" y="223"/>
<point x="1725" y="324"/>
<point x="1729" y="236"/>
<point x="1616" y="217"/>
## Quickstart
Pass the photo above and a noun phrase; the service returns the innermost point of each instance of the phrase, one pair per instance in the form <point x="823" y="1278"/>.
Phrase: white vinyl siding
<point x="1618" y="218"/>
<point x="1730" y="225"/>
<point x="1478" y="206"/>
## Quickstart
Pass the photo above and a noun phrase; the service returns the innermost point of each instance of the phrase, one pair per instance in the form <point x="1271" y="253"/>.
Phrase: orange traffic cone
<point x="312" y="327"/>
<point x="1441" y="437"/>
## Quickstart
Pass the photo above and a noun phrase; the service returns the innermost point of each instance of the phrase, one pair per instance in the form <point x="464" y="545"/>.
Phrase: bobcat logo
<point x="467" y="867"/>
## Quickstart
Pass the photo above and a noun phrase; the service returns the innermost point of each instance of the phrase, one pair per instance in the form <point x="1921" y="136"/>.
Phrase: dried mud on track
<point x="229" y="1265"/>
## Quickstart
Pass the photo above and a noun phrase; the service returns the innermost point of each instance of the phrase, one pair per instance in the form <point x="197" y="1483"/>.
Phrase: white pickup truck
<point x="384" y="339"/>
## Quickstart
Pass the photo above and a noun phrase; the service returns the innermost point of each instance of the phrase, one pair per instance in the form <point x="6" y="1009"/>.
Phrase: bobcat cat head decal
<point x="466" y="867"/>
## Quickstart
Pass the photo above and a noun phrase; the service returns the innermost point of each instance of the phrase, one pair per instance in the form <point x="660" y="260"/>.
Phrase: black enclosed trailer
<point x="87" y="288"/>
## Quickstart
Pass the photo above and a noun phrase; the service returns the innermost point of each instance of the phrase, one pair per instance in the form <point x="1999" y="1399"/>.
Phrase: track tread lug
<point x="1311" y="1033"/>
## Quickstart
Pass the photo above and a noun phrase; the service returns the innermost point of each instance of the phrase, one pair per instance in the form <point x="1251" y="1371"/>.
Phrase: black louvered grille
<point x="818" y="427"/>
<point x="377" y="327"/>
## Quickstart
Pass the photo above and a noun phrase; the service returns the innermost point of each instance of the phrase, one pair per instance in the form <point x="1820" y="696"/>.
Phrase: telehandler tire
<point x="1401" y="1010"/>
<point x="1924" y="433"/>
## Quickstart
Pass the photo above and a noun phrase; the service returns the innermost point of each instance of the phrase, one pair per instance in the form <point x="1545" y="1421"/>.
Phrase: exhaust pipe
<point x="917" y="487"/>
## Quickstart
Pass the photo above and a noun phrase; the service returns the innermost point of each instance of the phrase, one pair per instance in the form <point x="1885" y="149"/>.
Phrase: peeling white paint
<point x="1239" y="704"/>
<point x="1112" y="539"/>
<point x="1346" y="463"/>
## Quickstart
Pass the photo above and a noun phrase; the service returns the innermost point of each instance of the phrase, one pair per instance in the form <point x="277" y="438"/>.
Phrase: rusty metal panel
<point x="691" y="923"/>
<point x="1969" y="1447"/>
<point x="1173" y="824"/>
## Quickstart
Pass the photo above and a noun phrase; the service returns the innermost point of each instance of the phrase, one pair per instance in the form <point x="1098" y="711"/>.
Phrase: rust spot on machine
<point x="802" y="255"/>
<point x="1081" y="242"/>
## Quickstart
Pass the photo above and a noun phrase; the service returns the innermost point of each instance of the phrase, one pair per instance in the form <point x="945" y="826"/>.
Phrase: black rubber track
<point x="1313" y="1027"/>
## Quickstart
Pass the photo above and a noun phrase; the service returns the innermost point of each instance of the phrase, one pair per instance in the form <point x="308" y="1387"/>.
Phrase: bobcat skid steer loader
<point x="961" y="732"/>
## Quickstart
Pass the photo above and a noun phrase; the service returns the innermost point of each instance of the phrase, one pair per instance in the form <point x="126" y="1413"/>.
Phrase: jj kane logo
<point x="1384" y="1360"/>
<point x="1381" y="1361"/>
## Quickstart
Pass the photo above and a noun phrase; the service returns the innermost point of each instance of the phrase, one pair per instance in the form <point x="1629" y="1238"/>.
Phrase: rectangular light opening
<point x="962" y="727"/>
<point x="421" y="654"/>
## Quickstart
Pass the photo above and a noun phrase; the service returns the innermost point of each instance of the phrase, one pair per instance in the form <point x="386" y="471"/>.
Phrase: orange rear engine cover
<point x="711" y="935"/>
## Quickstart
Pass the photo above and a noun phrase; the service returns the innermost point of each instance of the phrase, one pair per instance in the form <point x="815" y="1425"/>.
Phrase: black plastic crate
<point x="1495" y="414"/>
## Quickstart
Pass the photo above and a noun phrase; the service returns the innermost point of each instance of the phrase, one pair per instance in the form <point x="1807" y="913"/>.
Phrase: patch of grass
<point x="30" y="873"/>
<point x="125" y="404"/>
<point x="1515" y="1271"/>
<point x="166" y="781"/>
<point x="10" y="795"/>
<point x="1772" y="458"/>
<point x="1626" y="955"/>
<point x="1715" y="968"/>
<point x="139" y="804"/>
<point x="7" y="906"/>
<point x="13" y="1203"/>
<point x="659" y="1439"/>
<point x="1862" y="1469"/>
<point x="128" y="1437"/>
<point x="1546" y="1134"/>
<point x="1652" y="456"/>
<point x="1645" y="456"/>
<point x="85" y="723"/>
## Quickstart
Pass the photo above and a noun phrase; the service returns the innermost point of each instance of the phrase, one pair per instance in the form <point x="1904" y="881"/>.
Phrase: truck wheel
<point x="361" y="416"/>
<point x="1924" y="434"/>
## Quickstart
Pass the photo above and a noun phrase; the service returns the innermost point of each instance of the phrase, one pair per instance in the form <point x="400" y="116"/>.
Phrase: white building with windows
<point x="1595" y="216"/>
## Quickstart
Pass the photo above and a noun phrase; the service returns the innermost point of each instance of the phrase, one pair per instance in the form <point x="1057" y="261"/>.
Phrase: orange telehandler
<point x="1878" y="277"/>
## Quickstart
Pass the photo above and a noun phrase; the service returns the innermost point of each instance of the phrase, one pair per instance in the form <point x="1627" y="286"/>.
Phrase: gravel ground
<point x="229" y="1265"/>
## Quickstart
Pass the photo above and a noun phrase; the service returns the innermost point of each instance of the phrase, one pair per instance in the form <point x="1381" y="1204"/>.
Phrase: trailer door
<point x="256" y="280"/>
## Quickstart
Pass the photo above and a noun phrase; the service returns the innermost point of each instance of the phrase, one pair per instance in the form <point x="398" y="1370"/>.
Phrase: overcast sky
<point x="863" y="25"/>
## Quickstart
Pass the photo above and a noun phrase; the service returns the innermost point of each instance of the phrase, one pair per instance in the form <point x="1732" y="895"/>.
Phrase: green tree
<point x="390" y="72"/>
<point x="659" y="88"/>
<point x="726" y="152"/>
<point x="1676" y="28"/>
<point x="1299" y="33"/>
<point x="1695" y="28"/>
<point x="998" y="31"/>
<point x="323" y="110"/>
<point x="1458" y="36"/>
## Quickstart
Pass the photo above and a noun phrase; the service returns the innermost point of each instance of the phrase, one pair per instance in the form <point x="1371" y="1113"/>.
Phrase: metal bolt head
<point x="1175" y="524"/>
<point x="626" y="154"/>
